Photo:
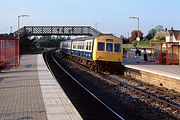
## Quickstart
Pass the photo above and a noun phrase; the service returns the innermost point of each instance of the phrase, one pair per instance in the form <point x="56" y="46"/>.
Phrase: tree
<point x="25" y="43"/>
<point x="68" y="38"/>
<point x="151" y="34"/>
<point x="134" y="35"/>
<point x="134" y="43"/>
<point x="125" y="40"/>
<point x="159" y="28"/>
<point x="159" y="39"/>
<point x="48" y="41"/>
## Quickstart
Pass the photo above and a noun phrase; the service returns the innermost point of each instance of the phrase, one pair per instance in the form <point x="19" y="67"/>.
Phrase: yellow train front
<point x="107" y="53"/>
<point x="99" y="53"/>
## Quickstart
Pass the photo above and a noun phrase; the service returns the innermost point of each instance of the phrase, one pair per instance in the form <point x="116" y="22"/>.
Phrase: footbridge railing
<point x="59" y="30"/>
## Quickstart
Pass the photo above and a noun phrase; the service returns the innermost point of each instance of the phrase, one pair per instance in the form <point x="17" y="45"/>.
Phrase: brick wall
<point x="154" y="79"/>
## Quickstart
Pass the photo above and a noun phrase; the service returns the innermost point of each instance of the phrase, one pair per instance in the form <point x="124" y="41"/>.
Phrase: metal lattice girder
<point x="59" y="30"/>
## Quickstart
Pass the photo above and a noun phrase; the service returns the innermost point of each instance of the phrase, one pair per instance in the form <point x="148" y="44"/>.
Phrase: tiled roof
<point x="176" y="34"/>
<point x="163" y="33"/>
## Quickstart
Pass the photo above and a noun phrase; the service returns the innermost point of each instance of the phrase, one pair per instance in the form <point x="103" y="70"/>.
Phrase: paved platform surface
<point x="29" y="92"/>
<point x="172" y="71"/>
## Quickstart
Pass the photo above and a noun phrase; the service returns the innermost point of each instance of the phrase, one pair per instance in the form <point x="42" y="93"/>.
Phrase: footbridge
<point x="58" y="30"/>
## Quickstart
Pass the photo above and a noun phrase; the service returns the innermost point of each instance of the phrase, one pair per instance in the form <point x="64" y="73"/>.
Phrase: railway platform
<point x="157" y="74"/>
<point x="30" y="92"/>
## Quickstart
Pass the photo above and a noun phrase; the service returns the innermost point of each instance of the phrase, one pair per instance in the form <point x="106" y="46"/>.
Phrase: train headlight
<point x="99" y="57"/>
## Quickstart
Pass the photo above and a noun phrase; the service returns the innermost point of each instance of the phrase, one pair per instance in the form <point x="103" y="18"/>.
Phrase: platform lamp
<point x="19" y="35"/>
<point x="138" y="38"/>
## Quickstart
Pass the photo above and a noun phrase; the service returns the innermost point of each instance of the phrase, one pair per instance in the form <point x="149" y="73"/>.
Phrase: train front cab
<point x="107" y="53"/>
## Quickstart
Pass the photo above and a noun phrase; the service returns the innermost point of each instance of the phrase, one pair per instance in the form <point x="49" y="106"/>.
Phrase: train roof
<point x="87" y="38"/>
<point x="84" y="38"/>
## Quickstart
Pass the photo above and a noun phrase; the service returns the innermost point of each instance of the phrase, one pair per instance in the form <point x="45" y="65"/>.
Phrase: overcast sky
<point x="111" y="16"/>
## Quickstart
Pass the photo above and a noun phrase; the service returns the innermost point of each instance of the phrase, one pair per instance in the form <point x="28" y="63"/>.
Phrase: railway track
<point x="87" y="104"/>
<point x="144" y="95"/>
<point x="150" y="96"/>
<point x="163" y="93"/>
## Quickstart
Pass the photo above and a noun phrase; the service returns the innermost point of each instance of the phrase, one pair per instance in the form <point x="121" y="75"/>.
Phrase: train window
<point x="100" y="46"/>
<point x="82" y="45"/>
<point x="69" y="45"/>
<point x="117" y="48"/>
<point x="87" y="45"/>
<point x="90" y="45"/>
<point x="109" y="40"/>
<point x="109" y="47"/>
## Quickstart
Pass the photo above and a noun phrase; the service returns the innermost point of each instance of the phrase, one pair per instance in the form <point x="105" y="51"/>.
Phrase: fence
<point x="9" y="51"/>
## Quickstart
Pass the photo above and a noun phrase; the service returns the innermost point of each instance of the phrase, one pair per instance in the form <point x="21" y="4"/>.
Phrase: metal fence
<point x="9" y="51"/>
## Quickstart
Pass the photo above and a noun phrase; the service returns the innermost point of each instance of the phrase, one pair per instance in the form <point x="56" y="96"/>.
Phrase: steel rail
<point x="120" y="117"/>
<point x="138" y="90"/>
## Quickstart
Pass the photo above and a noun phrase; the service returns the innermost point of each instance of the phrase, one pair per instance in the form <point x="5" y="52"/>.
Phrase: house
<point x="160" y="34"/>
<point x="173" y="36"/>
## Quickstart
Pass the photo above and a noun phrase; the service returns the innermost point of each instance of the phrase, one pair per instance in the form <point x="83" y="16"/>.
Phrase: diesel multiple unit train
<point x="99" y="53"/>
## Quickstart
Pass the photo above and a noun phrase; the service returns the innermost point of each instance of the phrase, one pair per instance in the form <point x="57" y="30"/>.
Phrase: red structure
<point x="164" y="52"/>
<point x="172" y="53"/>
<point x="9" y="52"/>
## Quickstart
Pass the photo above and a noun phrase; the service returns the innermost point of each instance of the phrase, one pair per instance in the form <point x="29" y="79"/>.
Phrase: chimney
<point x="165" y="29"/>
<point x="172" y="28"/>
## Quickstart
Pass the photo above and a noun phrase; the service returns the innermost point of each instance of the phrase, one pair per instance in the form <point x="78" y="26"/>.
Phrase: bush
<point x="134" y="43"/>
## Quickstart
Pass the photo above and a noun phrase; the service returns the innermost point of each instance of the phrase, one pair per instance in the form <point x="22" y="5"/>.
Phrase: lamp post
<point x="19" y="35"/>
<point x="138" y="38"/>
